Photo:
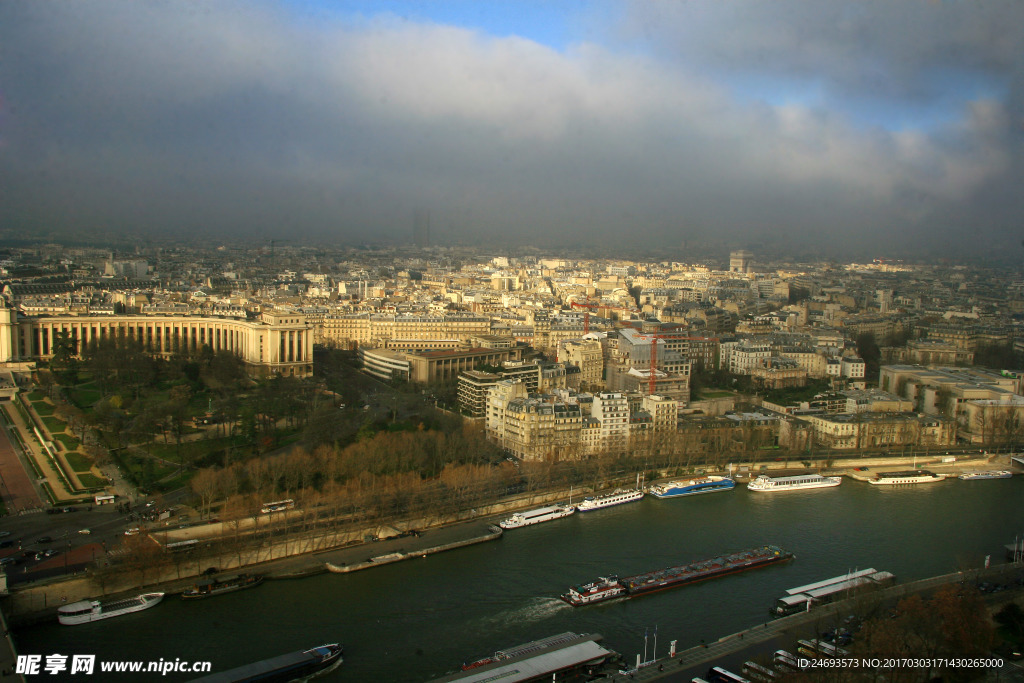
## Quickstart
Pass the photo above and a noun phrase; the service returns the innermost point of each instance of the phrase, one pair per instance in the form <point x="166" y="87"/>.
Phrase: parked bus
<point x="818" y="648"/>
<point x="758" y="672"/>
<point x="278" y="506"/>
<point x="717" y="674"/>
<point x="785" y="661"/>
<point x="182" y="546"/>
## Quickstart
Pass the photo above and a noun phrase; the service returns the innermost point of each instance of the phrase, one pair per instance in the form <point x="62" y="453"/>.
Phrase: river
<point x="417" y="620"/>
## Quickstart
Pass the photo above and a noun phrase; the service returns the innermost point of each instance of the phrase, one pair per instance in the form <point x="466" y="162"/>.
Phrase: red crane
<point x="586" y="314"/>
<point x="654" y="359"/>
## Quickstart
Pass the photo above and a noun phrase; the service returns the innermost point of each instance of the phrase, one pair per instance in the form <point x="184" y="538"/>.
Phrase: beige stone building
<point x="278" y="342"/>
<point x="588" y="356"/>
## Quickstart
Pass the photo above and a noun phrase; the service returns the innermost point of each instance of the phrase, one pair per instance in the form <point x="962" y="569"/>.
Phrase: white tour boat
<point x="906" y="478"/>
<point x="794" y="483"/>
<point x="84" y="611"/>
<point x="545" y="514"/>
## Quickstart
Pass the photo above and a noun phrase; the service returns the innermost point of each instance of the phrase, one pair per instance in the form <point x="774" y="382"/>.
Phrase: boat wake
<point x="535" y="609"/>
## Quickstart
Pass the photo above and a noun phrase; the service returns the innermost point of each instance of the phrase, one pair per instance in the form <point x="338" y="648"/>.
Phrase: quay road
<point x="760" y="642"/>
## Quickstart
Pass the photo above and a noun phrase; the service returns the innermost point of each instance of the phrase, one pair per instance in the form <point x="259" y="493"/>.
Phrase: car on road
<point x="131" y="532"/>
<point x="44" y="539"/>
<point x="49" y="552"/>
<point x="4" y="533"/>
<point x="85" y="532"/>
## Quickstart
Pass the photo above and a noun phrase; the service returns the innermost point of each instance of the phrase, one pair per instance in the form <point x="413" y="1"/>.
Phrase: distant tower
<point x="739" y="261"/>
<point x="421" y="228"/>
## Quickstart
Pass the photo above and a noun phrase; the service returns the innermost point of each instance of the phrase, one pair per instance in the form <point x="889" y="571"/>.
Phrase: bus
<point x="804" y="647"/>
<point x="278" y="506"/>
<point x="785" y="661"/>
<point x="717" y="674"/>
<point x="182" y="546"/>
<point x="758" y="672"/>
<point x="818" y="648"/>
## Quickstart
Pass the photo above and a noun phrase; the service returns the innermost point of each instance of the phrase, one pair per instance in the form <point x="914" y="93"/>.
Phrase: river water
<point x="417" y="620"/>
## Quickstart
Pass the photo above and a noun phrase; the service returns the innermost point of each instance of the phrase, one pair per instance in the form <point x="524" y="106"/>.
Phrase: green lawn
<point x="78" y="462"/>
<point x="42" y="409"/>
<point x="70" y="443"/>
<point x="85" y="398"/>
<point x="176" y="482"/>
<point x="54" y="425"/>
<point x="91" y="481"/>
<point x="35" y="396"/>
<point x="190" y="450"/>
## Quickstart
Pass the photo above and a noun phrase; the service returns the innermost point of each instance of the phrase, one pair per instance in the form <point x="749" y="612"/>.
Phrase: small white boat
<point x="545" y="514"/>
<point x="989" y="474"/>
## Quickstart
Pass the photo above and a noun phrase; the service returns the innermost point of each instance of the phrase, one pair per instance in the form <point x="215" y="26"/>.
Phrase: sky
<point x="856" y="128"/>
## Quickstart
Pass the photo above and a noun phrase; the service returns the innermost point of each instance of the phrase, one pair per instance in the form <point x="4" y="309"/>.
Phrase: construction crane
<point x="654" y="360"/>
<point x="586" y="314"/>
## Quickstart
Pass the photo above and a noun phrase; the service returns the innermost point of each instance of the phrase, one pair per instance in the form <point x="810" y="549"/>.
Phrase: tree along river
<point x="419" y="619"/>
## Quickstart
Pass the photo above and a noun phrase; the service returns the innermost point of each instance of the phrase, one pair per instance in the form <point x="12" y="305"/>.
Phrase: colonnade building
<point x="275" y="343"/>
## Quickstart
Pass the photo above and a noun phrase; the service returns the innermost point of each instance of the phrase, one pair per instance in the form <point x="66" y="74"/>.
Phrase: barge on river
<point x="612" y="587"/>
<point x="215" y="587"/>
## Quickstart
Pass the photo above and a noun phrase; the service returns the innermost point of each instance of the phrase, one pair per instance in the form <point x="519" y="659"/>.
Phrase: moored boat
<point x="988" y="474"/>
<point x="205" y="590"/>
<point x="802" y="598"/>
<point x="605" y="588"/>
<point x="797" y="482"/>
<point x="85" y="611"/>
<point x="906" y="478"/>
<point x="294" y="666"/>
<point x="617" y="497"/>
<point x="689" y="487"/>
<point x="530" y="517"/>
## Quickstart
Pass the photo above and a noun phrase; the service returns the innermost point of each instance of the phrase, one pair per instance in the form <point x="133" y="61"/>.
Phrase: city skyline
<point x="833" y="129"/>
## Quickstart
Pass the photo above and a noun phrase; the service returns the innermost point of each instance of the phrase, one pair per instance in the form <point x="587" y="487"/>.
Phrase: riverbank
<point x="761" y="640"/>
<point x="308" y="555"/>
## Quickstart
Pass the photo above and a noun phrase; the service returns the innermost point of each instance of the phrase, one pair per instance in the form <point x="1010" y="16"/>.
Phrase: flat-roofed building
<point x="473" y="388"/>
<point x="278" y="342"/>
<point x="881" y="430"/>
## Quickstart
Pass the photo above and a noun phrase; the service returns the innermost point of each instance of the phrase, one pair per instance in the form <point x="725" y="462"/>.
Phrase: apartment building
<point x="611" y="410"/>
<point x="587" y="355"/>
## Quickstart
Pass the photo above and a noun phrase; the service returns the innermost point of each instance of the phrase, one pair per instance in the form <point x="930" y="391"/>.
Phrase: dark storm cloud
<point x="240" y="118"/>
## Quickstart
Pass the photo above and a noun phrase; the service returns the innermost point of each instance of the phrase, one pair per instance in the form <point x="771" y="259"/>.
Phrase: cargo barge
<point x="708" y="569"/>
<point x="612" y="587"/>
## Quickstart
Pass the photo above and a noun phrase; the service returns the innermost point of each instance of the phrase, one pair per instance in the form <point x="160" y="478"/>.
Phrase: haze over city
<point x="835" y="128"/>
